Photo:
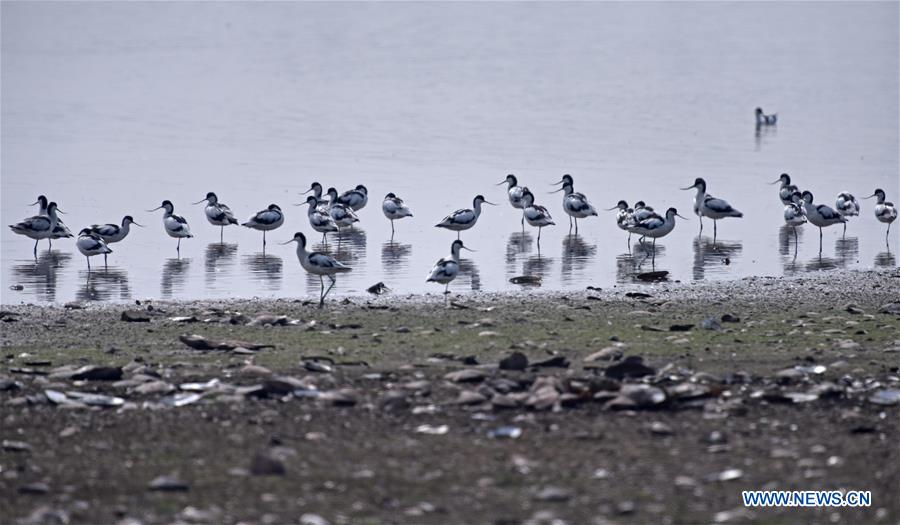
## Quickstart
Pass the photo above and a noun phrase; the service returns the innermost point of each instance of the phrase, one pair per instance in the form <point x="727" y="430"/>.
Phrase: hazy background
<point x="109" y="108"/>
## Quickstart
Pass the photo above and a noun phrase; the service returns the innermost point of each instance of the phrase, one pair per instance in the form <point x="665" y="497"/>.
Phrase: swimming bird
<point x="393" y="208"/>
<point x="847" y="205"/>
<point x="765" y="120"/>
<point x="786" y="190"/>
<point x="464" y="218"/>
<point x="705" y="205"/>
<point x="514" y="192"/>
<point x="217" y="213"/>
<point x="820" y="215"/>
<point x="91" y="244"/>
<point x="319" y="219"/>
<point x="342" y="214"/>
<point x="111" y="233"/>
<point x="537" y="216"/>
<point x="446" y="269"/>
<point x="884" y="211"/>
<point x="657" y="226"/>
<point x="355" y="199"/>
<point x="793" y="213"/>
<point x="575" y="204"/>
<point x="265" y="220"/>
<point x="38" y="227"/>
<point x="318" y="263"/>
<point x="61" y="231"/>
<point x="175" y="225"/>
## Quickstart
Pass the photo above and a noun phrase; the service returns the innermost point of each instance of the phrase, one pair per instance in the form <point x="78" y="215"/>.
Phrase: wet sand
<point x="394" y="409"/>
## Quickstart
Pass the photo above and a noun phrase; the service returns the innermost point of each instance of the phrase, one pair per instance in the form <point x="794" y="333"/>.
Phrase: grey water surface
<point x="109" y="108"/>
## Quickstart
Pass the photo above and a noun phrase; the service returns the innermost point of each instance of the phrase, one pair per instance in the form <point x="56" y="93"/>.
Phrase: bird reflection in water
<point x="633" y="262"/>
<point x="575" y="255"/>
<point x="885" y="260"/>
<point x="518" y="244"/>
<point x="536" y="265"/>
<point x="104" y="284"/>
<point x="40" y="277"/>
<point x="349" y="248"/>
<point x="762" y="133"/>
<point x="264" y="268"/>
<point x="821" y="263"/>
<point x="846" y="251"/>
<point x="468" y="273"/>
<point x="174" y="276"/>
<point x="219" y="256"/>
<point x="394" y="257"/>
<point x="789" y="240"/>
<point x="714" y="256"/>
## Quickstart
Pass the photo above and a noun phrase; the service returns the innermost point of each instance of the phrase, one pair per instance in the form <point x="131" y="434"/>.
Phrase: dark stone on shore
<point x="729" y="318"/>
<point x="35" y="489"/>
<point x="469" y="375"/>
<point x="167" y="484"/>
<point x="266" y="464"/>
<point x="553" y="494"/>
<point x="514" y="361"/>
<point x="681" y="327"/>
<point x="98" y="373"/>
<point x="15" y="446"/>
<point x="557" y="361"/>
<point x="133" y="316"/>
<point x="632" y="366"/>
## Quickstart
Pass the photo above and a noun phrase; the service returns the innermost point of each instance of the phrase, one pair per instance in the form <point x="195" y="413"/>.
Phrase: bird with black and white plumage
<point x="112" y="233"/>
<point x="537" y="216"/>
<point x="342" y="214"/>
<point x="394" y="209"/>
<point x="355" y="199"/>
<point x="793" y="213"/>
<point x="447" y="268"/>
<point x="514" y="192"/>
<point x="464" y="218"/>
<point x="61" y="231"/>
<point x="316" y="190"/>
<point x="820" y="215"/>
<point x="175" y="225"/>
<point x="657" y="226"/>
<point x="624" y="217"/>
<point x="89" y="243"/>
<point x="786" y="190"/>
<point x="705" y="205"/>
<point x="765" y="120"/>
<point x="575" y="204"/>
<point x="318" y="263"/>
<point x="265" y="220"/>
<point x="217" y="213"/>
<point x="847" y="205"/>
<point x="319" y="218"/>
<point x="38" y="227"/>
<point x="885" y="211"/>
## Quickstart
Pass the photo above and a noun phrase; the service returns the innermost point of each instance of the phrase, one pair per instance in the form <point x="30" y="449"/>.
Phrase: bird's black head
<point x="85" y="231"/>
<point x="128" y="218"/>
<point x="362" y="188"/>
<point x="274" y="207"/>
<point x="567" y="179"/>
<point x="511" y="179"/>
<point x="390" y="196"/>
<point x="300" y="238"/>
<point x="807" y="196"/>
<point x="785" y="178"/>
<point x="166" y="204"/>
<point x="759" y="111"/>
<point x="42" y="200"/>
<point x="312" y="200"/>
<point x="211" y="196"/>
<point x="622" y="205"/>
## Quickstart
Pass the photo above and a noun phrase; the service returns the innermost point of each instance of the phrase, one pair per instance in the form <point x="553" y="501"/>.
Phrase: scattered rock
<point x="98" y="373"/>
<point x="514" y="361"/>
<point x="681" y="327"/>
<point x="532" y="280"/>
<point x="378" y="288"/>
<point x="466" y="375"/>
<point x="556" y="361"/>
<point x="661" y="275"/>
<point x="469" y="397"/>
<point x="198" y="342"/>
<point x="15" y="446"/>
<point x="710" y="323"/>
<point x="505" y="433"/>
<point x="553" y="494"/>
<point x="35" y="489"/>
<point x="660" y="429"/>
<point x="887" y="397"/>
<point x="133" y="316"/>
<point x="267" y="464"/>
<point x="890" y="308"/>
<point x="434" y="430"/>
<point x="730" y="318"/>
<point x="638" y="295"/>
<point x="168" y="484"/>
<point x="632" y="367"/>
<point x="610" y="353"/>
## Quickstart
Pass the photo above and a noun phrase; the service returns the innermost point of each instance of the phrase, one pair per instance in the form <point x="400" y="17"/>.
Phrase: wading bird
<point x="175" y="225"/>
<point x="91" y="244"/>
<point x="705" y="205"/>
<point x="765" y="120"/>
<point x="446" y="269"/>
<point x="820" y="215"/>
<point x="394" y="209"/>
<point x="318" y="263"/>
<point x="61" y="231"/>
<point x="342" y="214"/>
<point x="217" y="213"/>
<point x="514" y="192"/>
<point x="356" y="199"/>
<point x="786" y="190"/>
<point x="884" y="211"/>
<point x="847" y="205"/>
<point x="537" y="216"/>
<point x="265" y="220"/>
<point x="575" y="204"/>
<point x="319" y="219"/>
<point x="111" y="233"/>
<point x="465" y="218"/>
<point x="38" y="227"/>
<point x="793" y="213"/>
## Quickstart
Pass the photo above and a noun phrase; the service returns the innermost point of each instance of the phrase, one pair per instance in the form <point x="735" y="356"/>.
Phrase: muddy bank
<point x="658" y="406"/>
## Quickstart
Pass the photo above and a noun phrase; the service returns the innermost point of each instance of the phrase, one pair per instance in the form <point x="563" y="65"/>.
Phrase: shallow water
<point x="109" y="109"/>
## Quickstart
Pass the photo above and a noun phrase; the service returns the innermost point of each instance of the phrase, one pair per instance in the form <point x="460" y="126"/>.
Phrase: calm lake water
<point x="110" y="108"/>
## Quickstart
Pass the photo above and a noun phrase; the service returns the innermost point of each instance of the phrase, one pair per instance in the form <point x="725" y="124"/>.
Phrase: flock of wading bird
<point x="330" y="212"/>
